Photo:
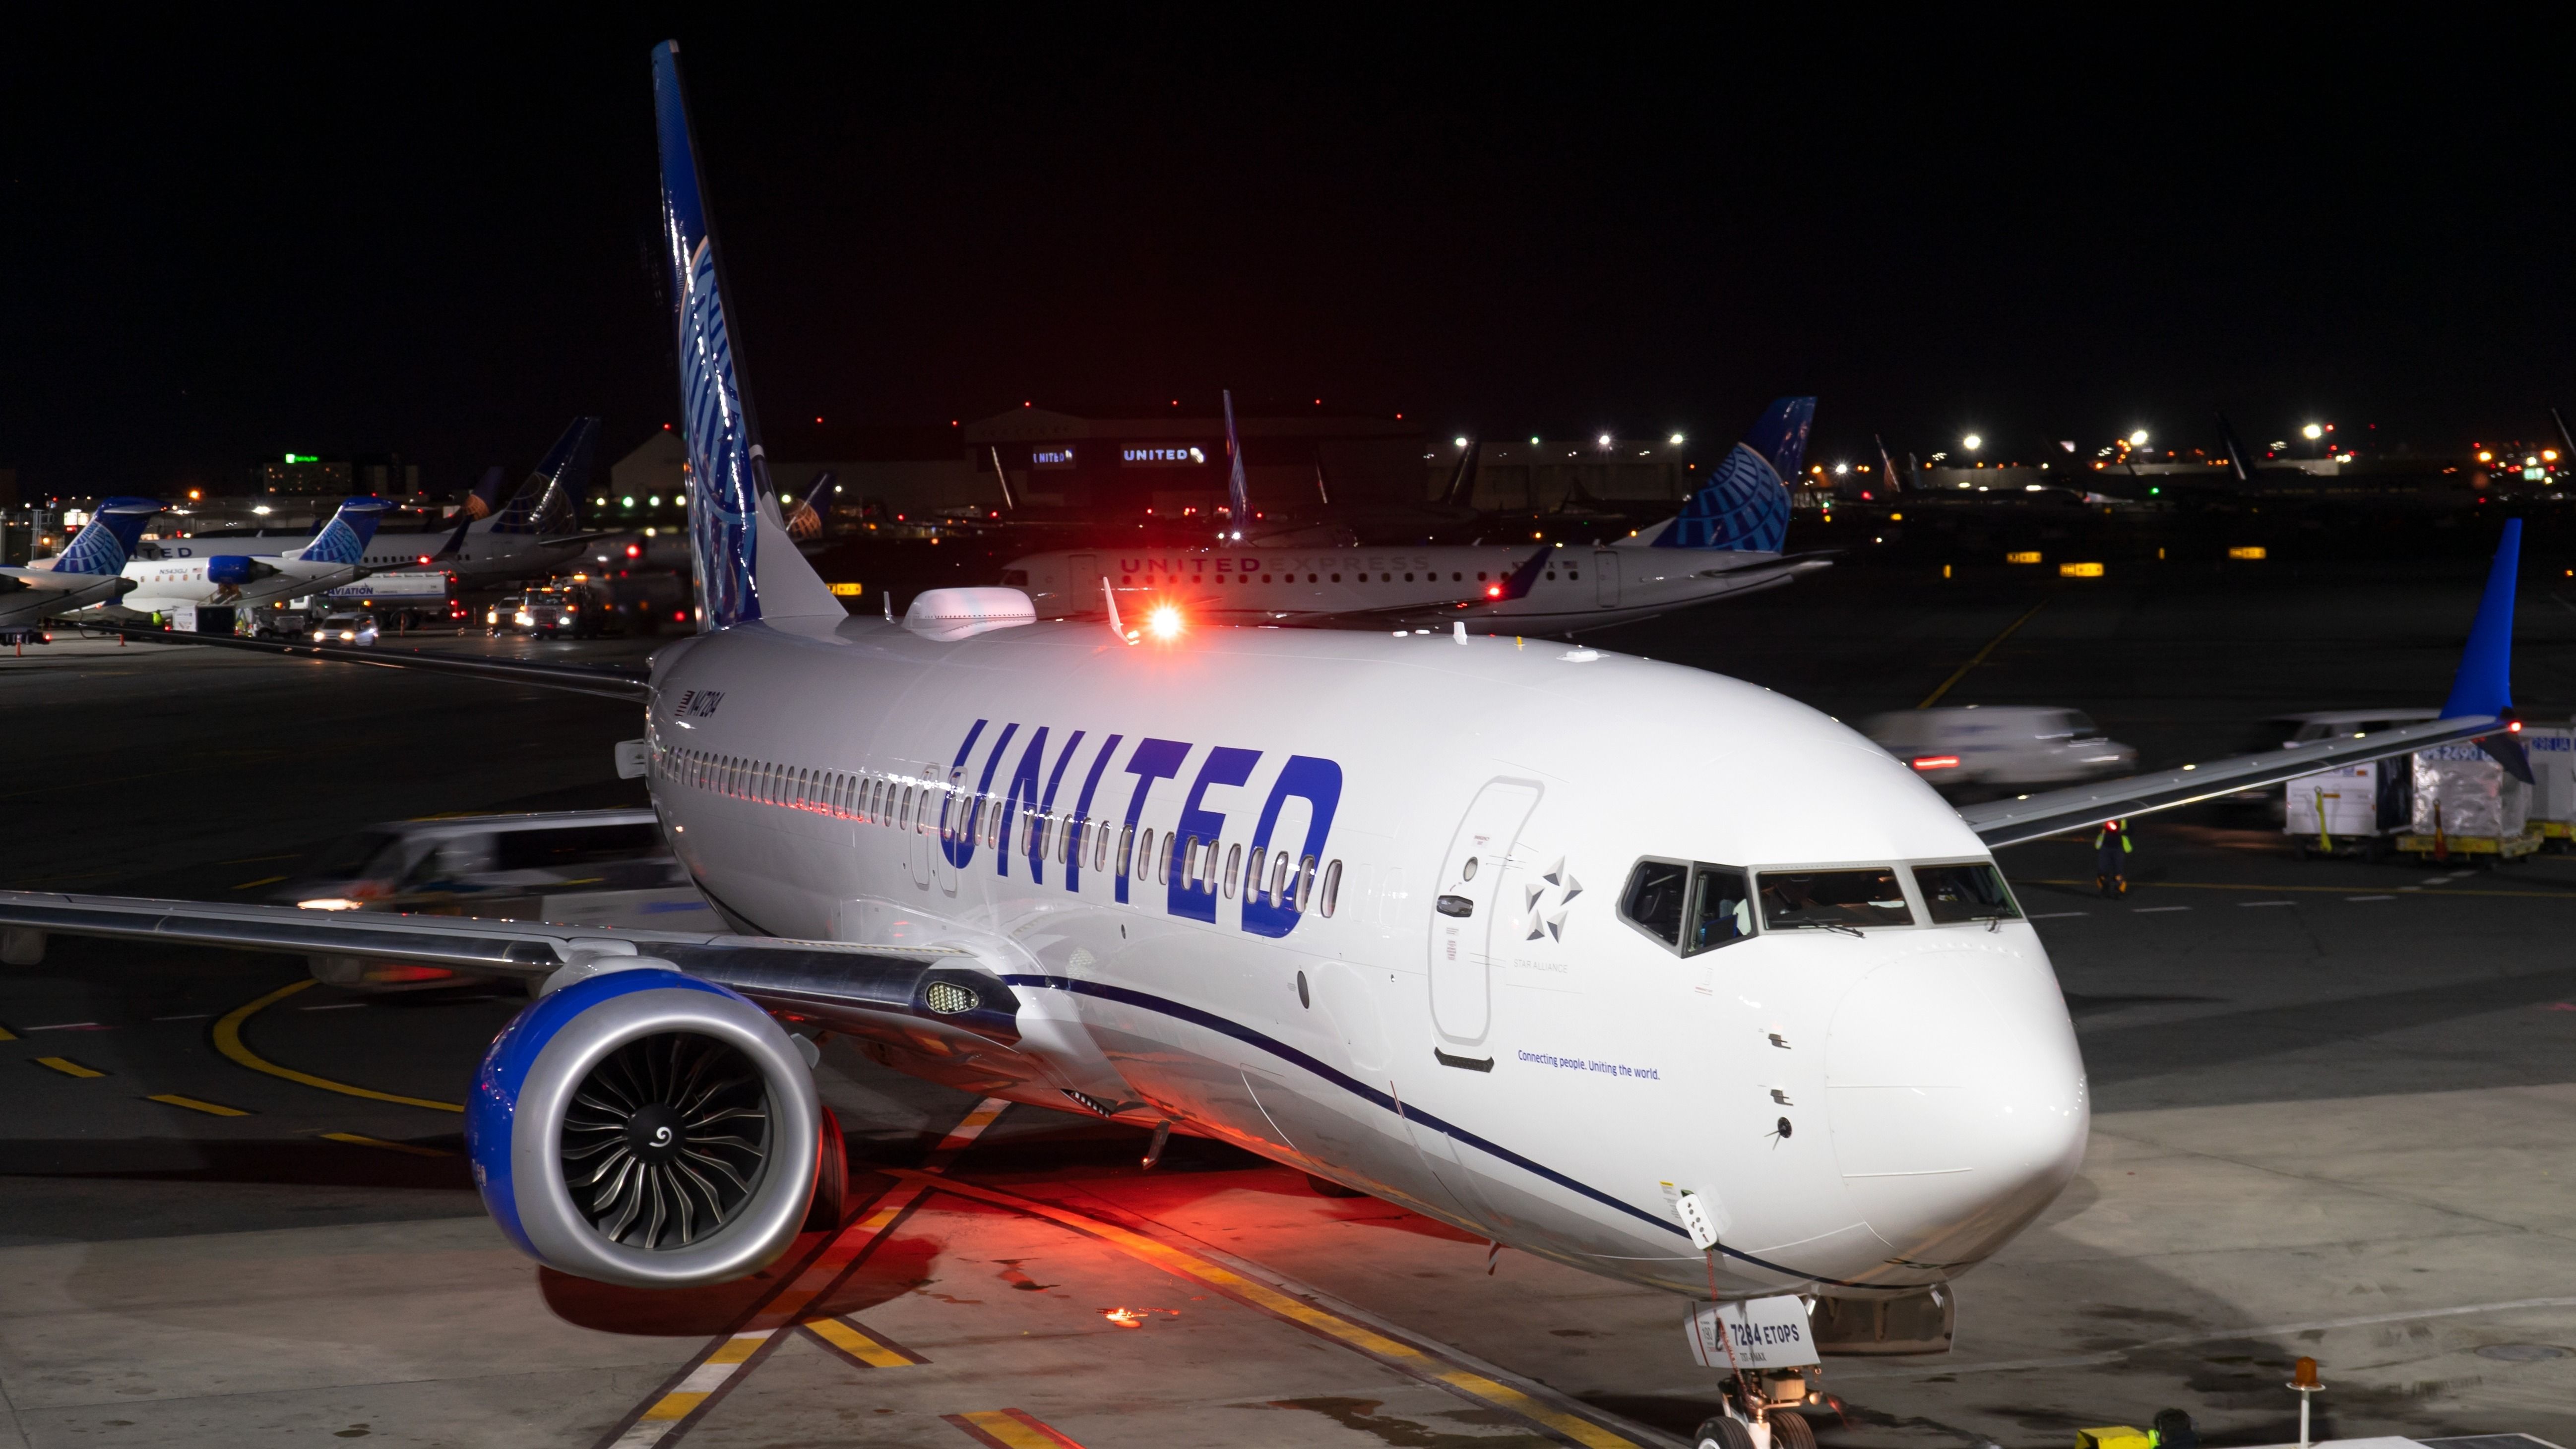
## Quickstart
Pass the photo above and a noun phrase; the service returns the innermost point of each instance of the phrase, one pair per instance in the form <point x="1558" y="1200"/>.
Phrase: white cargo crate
<point x="2461" y="791"/>
<point x="2341" y="803"/>
<point x="2552" y="749"/>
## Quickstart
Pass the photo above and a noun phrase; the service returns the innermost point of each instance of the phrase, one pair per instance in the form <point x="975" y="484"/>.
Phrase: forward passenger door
<point x="1464" y="906"/>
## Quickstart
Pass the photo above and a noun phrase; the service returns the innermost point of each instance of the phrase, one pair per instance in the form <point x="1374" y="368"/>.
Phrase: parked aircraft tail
<point x="1238" y="492"/>
<point x="2238" y="460"/>
<point x="108" y="541"/>
<point x="344" y="539"/>
<point x="747" y="568"/>
<point x="544" y="503"/>
<point x="805" y="520"/>
<point x="479" y="503"/>
<point x="1745" y="505"/>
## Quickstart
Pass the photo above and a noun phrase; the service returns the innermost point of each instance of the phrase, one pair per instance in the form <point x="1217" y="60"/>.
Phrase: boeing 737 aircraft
<point x="1726" y="541"/>
<point x="90" y="570"/>
<point x="1774" y="1026"/>
<point x="240" y="580"/>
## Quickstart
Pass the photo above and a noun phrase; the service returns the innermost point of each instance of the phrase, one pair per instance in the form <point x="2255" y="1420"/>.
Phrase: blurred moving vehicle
<point x="20" y="635"/>
<point x="576" y="867"/>
<point x="346" y="629"/>
<point x="553" y="611"/>
<point x="1999" y="745"/>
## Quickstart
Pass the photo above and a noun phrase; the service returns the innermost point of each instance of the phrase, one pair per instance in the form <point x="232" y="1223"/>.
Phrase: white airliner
<point x="528" y="537"/>
<point x="1726" y="541"/>
<point x="1638" y="968"/>
<point x="88" y="571"/>
<point x="242" y="580"/>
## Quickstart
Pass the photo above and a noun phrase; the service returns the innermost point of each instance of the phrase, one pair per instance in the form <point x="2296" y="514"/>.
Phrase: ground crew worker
<point x="2110" y="867"/>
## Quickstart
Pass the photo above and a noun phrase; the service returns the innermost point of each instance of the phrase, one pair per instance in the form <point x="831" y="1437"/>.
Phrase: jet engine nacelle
<point x="647" y="1128"/>
<point x="233" y="568"/>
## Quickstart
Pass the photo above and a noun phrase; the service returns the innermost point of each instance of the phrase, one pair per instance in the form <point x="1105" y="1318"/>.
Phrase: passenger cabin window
<point x="1970" y="892"/>
<point x="1833" y="899"/>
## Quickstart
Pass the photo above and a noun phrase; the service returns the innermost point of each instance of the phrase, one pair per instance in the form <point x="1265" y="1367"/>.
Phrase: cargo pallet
<point x="2507" y="847"/>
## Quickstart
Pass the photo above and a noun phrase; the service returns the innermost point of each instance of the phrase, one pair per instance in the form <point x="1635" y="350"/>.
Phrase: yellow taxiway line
<point x="228" y="1040"/>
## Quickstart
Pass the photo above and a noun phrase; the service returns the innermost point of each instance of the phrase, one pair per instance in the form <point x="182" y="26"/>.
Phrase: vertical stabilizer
<point x="344" y="539"/>
<point x="1887" y="466"/>
<point x="544" y="503"/>
<point x="1238" y="493"/>
<point x="2237" y="460"/>
<point x="108" y="540"/>
<point x="1745" y="504"/>
<point x="746" y="566"/>
<point x="805" y="520"/>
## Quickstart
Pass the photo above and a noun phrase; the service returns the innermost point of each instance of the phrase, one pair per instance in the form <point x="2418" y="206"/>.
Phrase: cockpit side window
<point x="1971" y="891"/>
<point x="1654" y="899"/>
<point x="1721" y="908"/>
<point x="1690" y="907"/>
<point x="1844" y="900"/>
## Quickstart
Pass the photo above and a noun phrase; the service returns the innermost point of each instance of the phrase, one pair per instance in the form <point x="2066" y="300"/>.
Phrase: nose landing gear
<point x="1772" y="1423"/>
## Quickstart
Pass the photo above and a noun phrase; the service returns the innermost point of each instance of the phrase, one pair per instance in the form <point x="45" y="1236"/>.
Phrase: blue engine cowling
<point x="233" y="568"/>
<point x="647" y="1128"/>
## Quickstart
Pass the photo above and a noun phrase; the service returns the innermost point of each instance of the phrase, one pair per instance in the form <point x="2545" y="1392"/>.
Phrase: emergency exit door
<point x="1465" y="903"/>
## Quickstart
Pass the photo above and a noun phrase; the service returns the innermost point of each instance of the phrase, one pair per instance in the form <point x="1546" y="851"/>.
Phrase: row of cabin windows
<point x="930" y="807"/>
<point x="1455" y="577"/>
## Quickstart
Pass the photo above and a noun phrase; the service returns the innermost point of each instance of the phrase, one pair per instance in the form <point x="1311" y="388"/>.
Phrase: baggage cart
<point x="2552" y="749"/>
<point x="2348" y="810"/>
<point x="2467" y="805"/>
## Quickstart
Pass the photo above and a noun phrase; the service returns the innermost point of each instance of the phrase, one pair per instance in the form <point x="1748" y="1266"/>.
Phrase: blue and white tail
<point x="344" y="539"/>
<point x="747" y="568"/>
<point x="1745" y="505"/>
<point x="107" y="541"/>
<point x="479" y="503"/>
<point x="544" y="503"/>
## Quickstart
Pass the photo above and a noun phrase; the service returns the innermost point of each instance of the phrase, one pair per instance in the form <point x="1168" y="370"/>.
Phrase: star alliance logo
<point x="1536" y="919"/>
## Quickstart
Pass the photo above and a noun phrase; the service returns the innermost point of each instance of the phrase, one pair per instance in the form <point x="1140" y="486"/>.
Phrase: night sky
<point x="233" y="241"/>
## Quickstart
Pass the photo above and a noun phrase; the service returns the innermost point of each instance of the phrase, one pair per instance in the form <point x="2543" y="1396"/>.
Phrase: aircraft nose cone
<point x="1957" y="1102"/>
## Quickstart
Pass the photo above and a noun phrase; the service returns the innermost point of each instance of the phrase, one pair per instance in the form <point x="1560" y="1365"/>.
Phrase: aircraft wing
<point x="2480" y="708"/>
<point x="608" y="681"/>
<point x="47" y="581"/>
<point x="2028" y="817"/>
<point x="885" y="982"/>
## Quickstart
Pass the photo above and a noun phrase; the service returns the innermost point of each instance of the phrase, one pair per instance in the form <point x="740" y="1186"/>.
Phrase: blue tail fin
<point x="479" y="503"/>
<point x="1745" y="505"/>
<point x="344" y="539"/>
<point x="1238" y="493"/>
<point x="103" y="546"/>
<point x="2484" y="684"/>
<point x="730" y="512"/>
<point x="544" y="503"/>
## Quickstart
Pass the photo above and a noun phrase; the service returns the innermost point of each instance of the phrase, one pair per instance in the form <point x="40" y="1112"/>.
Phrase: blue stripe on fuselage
<point x="1385" y="1101"/>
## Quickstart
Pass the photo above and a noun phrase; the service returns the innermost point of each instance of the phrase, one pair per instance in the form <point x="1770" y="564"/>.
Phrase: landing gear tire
<point x="1330" y="1188"/>
<point x="1791" y="1431"/>
<point x="1722" y="1433"/>
<point x="831" y="1179"/>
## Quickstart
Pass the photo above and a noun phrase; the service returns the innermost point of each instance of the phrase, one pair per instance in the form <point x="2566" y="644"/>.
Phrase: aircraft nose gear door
<point x="1468" y="898"/>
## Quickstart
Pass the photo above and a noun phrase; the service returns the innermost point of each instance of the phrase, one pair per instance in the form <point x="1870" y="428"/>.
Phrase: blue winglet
<point x="2484" y="685"/>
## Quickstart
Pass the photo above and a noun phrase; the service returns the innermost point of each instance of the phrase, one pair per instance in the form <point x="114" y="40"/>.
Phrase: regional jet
<point x="1725" y="542"/>
<point x="184" y="580"/>
<point x="1393" y="911"/>
<point x="89" y="570"/>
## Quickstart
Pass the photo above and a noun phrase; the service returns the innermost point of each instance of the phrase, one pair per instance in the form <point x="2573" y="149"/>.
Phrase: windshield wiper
<point x="1839" y="926"/>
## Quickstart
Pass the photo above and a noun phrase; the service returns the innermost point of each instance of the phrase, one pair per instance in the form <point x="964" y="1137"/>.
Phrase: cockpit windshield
<point x="1968" y="892"/>
<point x="1833" y="899"/>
